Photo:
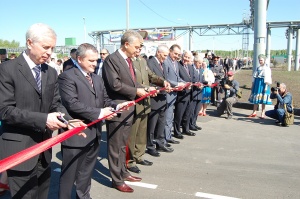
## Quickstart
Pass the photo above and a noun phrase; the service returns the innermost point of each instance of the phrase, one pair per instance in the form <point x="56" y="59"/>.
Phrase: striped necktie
<point x="37" y="70"/>
<point x="88" y="77"/>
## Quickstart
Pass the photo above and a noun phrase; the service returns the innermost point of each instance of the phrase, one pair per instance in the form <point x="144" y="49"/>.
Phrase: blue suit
<point x="172" y="75"/>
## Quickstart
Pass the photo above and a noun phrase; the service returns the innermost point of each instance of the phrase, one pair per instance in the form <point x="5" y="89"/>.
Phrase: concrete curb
<point x="249" y="106"/>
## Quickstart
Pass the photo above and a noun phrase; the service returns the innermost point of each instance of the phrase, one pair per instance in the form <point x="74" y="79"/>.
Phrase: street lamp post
<point x="84" y="29"/>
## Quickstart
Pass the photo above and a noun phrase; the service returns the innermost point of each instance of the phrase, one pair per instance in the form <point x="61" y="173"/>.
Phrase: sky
<point x="66" y="18"/>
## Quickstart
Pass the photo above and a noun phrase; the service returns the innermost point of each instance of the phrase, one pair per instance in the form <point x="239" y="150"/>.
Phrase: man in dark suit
<point x="172" y="75"/>
<point x="3" y="55"/>
<point x="120" y="82"/>
<point x="196" y="95"/>
<point x="182" y="110"/>
<point x="29" y="107"/>
<point x="103" y="54"/>
<point x="156" y="119"/>
<point x="84" y="96"/>
<point x="70" y="62"/>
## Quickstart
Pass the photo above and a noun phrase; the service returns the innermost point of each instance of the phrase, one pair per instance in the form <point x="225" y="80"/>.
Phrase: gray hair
<point x="197" y="58"/>
<point x="162" y="48"/>
<point x="187" y="52"/>
<point x="262" y="56"/>
<point x="81" y="50"/>
<point x="38" y="31"/>
<point x="130" y="36"/>
<point x="283" y="86"/>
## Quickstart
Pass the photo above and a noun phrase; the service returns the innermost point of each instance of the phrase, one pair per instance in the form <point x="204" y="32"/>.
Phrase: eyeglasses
<point x="103" y="53"/>
<point x="215" y="60"/>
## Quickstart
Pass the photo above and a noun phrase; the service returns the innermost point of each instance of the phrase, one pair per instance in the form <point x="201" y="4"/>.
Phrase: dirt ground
<point x="279" y="74"/>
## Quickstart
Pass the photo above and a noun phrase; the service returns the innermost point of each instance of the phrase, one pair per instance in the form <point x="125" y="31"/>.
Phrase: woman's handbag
<point x="288" y="117"/>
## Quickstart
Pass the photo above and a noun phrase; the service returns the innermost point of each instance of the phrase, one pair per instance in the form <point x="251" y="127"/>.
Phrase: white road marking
<point x="141" y="184"/>
<point x="212" y="196"/>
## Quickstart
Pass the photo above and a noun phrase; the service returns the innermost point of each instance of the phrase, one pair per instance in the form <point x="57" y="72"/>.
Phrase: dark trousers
<point x="155" y="129"/>
<point x="118" y="135"/>
<point x="181" y="116"/>
<point x="77" y="166"/>
<point x="32" y="184"/>
<point x="195" y="108"/>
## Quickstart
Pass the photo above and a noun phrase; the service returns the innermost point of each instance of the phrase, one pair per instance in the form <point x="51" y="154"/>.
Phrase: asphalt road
<point x="238" y="158"/>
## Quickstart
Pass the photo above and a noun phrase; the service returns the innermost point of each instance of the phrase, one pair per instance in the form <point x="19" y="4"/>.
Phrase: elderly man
<point x="29" y="110"/>
<point x="196" y="95"/>
<point x="283" y="98"/>
<point x="156" y="119"/>
<point x="182" y="112"/>
<point x="121" y="85"/>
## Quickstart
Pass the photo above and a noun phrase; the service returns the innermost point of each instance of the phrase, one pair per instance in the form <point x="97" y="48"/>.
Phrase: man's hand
<point x="226" y="86"/>
<point x="53" y="123"/>
<point x="167" y="85"/>
<point x="107" y="111"/>
<point x="141" y="92"/>
<point x="77" y="123"/>
<point x="124" y="105"/>
<point x="154" y="93"/>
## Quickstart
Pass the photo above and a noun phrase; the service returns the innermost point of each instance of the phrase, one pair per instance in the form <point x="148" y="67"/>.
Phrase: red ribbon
<point x="30" y="152"/>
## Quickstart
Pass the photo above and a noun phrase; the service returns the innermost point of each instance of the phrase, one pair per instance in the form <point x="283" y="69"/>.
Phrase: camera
<point x="224" y="81"/>
<point x="275" y="89"/>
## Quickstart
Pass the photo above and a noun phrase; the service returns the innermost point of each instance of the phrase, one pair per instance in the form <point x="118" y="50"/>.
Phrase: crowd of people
<point x="179" y="86"/>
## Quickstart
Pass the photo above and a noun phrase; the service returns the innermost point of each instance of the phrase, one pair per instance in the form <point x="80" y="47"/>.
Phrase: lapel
<point x="157" y="65"/>
<point x="172" y="65"/>
<point x="25" y="70"/>
<point x="124" y="64"/>
<point x="83" y="79"/>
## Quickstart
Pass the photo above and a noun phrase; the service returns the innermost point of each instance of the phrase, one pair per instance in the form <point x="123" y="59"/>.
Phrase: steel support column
<point x="297" y="58"/>
<point x="268" y="49"/>
<point x="190" y="39"/>
<point x="260" y="16"/>
<point x="289" y="48"/>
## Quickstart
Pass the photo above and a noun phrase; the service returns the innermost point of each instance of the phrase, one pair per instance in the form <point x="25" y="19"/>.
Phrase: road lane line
<point x="212" y="196"/>
<point x="141" y="184"/>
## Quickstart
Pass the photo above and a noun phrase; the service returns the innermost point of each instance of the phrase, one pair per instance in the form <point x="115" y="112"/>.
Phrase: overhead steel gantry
<point x="201" y="30"/>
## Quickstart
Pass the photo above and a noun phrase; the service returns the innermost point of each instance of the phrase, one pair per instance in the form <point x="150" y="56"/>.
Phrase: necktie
<point x="131" y="68"/>
<point x="161" y="67"/>
<point x="37" y="70"/>
<point x="88" y="77"/>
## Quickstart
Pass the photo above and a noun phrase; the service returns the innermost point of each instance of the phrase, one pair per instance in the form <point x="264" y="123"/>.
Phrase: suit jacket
<point x="24" y="110"/>
<point x="84" y="102"/>
<point x="143" y="76"/>
<point x="185" y="94"/>
<point x="172" y="75"/>
<point x="159" y="101"/>
<point x="68" y="64"/>
<point x="119" y="84"/>
<point x="196" y="95"/>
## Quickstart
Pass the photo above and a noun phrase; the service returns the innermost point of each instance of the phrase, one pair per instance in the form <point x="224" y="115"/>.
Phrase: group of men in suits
<point x="33" y="98"/>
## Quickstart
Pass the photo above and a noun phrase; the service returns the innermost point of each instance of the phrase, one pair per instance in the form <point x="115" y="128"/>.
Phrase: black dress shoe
<point x="165" y="149"/>
<point x="193" y="128"/>
<point x="153" y="153"/>
<point x="134" y="169"/>
<point x="198" y="127"/>
<point x="173" y="141"/>
<point x="179" y="136"/>
<point x="168" y="145"/>
<point x="145" y="163"/>
<point x="189" y="133"/>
